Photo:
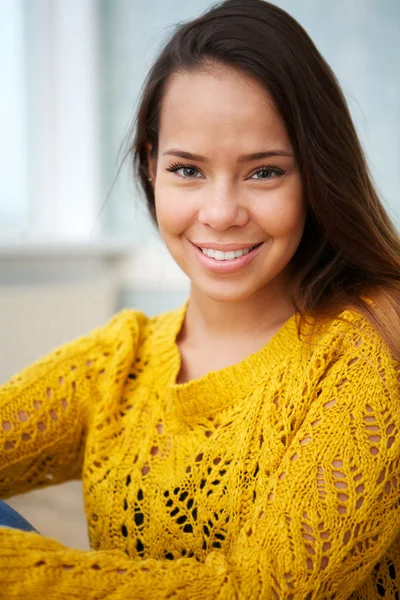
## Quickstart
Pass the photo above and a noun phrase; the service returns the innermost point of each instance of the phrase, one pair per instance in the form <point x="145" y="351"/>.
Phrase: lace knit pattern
<point x="276" y="478"/>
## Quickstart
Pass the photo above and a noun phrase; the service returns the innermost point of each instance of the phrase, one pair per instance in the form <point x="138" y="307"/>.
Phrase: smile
<point x="218" y="261"/>
<point x="231" y="255"/>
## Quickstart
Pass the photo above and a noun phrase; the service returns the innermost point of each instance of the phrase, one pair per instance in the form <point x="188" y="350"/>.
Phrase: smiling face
<point x="226" y="179"/>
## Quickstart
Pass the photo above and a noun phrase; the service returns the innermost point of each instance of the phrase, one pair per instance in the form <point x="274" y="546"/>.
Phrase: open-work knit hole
<point x="352" y="361"/>
<point x="359" y="503"/>
<point x="330" y="403"/>
<point x="53" y="415"/>
<point x="341" y="485"/>
<point x="160" y="428"/>
<point x="41" y="426"/>
<point x="121" y="571"/>
<point x="154" y="450"/>
<point x="145" y="469"/>
<point x="7" y="426"/>
<point x="389" y="429"/>
<point x="370" y="419"/>
<point x="23" y="416"/>
<point x="305" y="441"/>
<point x="324" y="562"/>
<point x="60" y="380"/>
<point x="381" y="476"/>
<point x="390" y="442"/>
<point x="67" y="567"/>
<point x="338" y="474"/>
<point x="343" y="497"/>
<point x="372" y="427"/>
<point x="26" y="437"/>
<point x="96" y="567"/>
<point x="37" y="404"/>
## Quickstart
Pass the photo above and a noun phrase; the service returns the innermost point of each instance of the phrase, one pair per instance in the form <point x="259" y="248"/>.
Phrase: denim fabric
<point x="12" y="519"/>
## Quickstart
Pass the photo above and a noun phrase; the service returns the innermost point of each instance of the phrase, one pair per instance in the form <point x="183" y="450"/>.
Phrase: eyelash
<point x="176" y="166"/>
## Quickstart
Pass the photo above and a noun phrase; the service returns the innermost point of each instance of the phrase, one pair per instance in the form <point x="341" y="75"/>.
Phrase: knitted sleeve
<point x="325" y="518"/>
<point x="44" y="410"/>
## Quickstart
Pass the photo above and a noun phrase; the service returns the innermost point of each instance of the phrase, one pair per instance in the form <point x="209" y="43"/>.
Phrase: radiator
<point x="36" y="318"/>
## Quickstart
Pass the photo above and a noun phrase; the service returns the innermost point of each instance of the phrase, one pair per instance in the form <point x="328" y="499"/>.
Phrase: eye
<point x="189" y="171"/>
<point x="268" y="172"/>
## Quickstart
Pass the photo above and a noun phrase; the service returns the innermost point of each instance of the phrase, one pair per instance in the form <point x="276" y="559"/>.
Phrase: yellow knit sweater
<point x="275" y="478"/>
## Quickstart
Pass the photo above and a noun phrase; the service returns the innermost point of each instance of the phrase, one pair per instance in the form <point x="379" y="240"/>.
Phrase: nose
<point x="223" y="207"/>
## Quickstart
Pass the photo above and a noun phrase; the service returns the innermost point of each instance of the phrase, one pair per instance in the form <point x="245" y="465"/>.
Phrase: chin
<point x="225" y="293"/>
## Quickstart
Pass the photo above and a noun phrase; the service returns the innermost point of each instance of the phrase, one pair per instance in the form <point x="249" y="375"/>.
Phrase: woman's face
<point x="228" y="192"/>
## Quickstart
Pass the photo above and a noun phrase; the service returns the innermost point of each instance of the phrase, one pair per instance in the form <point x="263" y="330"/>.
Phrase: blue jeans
<point x="12" y="519"/>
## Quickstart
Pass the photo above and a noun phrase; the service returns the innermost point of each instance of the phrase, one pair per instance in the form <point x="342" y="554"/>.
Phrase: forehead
<point x="222" y="102"/>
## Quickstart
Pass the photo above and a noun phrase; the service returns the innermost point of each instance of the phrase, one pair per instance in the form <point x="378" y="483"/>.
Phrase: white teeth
<point x="219" y="255"/>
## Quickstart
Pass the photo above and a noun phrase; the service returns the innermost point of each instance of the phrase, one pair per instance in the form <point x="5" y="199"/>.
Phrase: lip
<point x="226" y="266"/>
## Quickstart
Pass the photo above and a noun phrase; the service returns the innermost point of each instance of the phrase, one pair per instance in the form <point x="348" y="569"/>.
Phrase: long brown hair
<point x="349" y="255"/>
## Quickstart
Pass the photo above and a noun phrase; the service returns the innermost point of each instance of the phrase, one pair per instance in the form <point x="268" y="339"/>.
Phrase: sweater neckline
<point x="217" y="390"/>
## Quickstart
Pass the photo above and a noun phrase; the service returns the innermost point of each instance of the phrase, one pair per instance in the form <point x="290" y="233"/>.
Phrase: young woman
<point x="247" y="444"/>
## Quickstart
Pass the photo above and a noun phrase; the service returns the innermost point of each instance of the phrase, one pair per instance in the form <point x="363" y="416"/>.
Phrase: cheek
<point x="283" y="214"/>
<point x="173" y="216"/>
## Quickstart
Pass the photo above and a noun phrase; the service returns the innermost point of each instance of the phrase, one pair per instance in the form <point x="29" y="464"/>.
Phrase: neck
<point x="221" y="322"/>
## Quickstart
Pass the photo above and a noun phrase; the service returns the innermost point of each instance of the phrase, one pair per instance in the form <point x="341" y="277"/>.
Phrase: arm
<point x="44" y="410"/>
<point x="326" y="517"/>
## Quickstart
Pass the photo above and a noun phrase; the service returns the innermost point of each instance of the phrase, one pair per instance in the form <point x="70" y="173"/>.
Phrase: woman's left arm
<point x="324" y="520"/>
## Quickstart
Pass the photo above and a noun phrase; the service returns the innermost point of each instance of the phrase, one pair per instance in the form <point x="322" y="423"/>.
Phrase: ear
<point x="151" y="162"/>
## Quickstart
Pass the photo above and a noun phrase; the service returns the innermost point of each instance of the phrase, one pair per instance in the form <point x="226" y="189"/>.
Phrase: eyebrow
<point x="241" y="159"/>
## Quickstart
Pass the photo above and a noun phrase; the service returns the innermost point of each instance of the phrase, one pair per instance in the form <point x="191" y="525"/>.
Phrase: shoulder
<point x="351" y="339"/>
<point x="131" y="326"/>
